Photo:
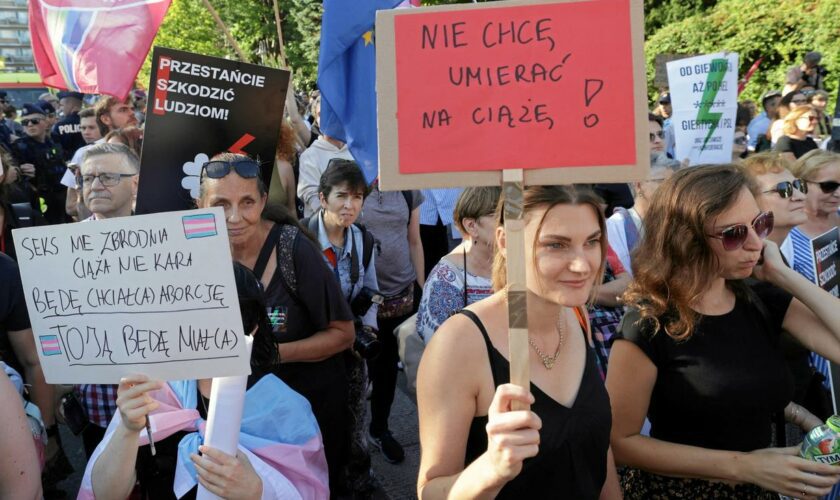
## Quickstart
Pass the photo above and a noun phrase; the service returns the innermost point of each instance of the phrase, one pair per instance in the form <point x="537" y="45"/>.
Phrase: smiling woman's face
<point x="567" y="253"/>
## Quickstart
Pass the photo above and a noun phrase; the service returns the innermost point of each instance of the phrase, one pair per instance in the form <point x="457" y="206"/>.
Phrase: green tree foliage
<point x="659" y="13"/>
<point x="780" y="31"/>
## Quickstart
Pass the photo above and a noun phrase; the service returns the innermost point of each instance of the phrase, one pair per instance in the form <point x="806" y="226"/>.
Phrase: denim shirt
<point x="367" y="276"/>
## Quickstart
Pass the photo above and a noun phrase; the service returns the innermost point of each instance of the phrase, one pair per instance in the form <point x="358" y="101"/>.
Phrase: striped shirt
<point x="803" y="263"/>
<point x="438" y="203"/>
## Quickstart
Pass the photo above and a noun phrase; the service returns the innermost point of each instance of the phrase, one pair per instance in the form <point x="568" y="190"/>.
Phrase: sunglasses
<point x="654" y="135"/>
<point x="247" y="169"/>
<point x="785" y="189"/>
<point x="734" y="236"/>
<point x="30" y="121"/>
<point x="799" y="101"/>
<point x="827" y="187"/>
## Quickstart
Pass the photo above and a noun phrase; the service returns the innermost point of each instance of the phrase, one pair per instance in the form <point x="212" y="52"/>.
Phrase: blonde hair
<point x="789" y="126"/>
<point x="812" y="162"/>
<point x="475" y="202"/>
<point x="768" y="162"/>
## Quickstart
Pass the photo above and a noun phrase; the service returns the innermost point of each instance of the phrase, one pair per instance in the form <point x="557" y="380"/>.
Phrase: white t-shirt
<point x="617" y="237"/>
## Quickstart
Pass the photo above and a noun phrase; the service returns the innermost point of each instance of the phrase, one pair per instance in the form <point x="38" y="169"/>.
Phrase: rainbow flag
<point x="50" y="345"/>
<point x="92" y="46"/>
<point x="199" y="226"/>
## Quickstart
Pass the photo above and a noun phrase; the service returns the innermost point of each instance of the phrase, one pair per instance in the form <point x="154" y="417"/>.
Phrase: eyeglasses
<point x="785" y="189"/>
<point x="827" y="187"/>
<point x="658" y="133"/>
<point x="30" y="121"/>
<point x="734" y="236"/>
<point x="247" y="169"/>
<point x="106" y="179"/>
<point x="740" y="140"/>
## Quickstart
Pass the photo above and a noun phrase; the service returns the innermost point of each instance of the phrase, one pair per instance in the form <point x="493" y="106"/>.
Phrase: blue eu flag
<point x="347" y="77"/>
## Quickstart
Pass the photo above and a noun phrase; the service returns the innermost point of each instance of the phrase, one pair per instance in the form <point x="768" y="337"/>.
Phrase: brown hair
<point x="286" y="143"/>
<point x="475" y="202"/>
<point x="768" y="162"/>
<point x="807" y="166"/>
<point x="673" y="265"/>
<point x="131" y="136"/>
<point x="87" y="113"/>
<point x="103" y="107"/>
<point x="789" y="122"/>
<point x="547" y="197"/>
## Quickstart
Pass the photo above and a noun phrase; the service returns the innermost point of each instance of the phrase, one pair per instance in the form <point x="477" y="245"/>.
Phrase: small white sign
<point x="152" y="294"/>
<point x="704" y="98"/>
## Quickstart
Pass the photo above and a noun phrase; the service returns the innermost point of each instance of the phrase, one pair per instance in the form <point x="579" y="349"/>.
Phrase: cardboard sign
<point x="704" y="98"/>
<point x="151" y="294"/>
<point x="466" y="91"/>
<point x="200" y="106"/>
<point x="827" y="260"/>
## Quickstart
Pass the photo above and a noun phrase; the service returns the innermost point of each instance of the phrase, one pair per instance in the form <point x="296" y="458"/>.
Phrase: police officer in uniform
<point x="67" y="132"/>
<point x="42" y="165"/>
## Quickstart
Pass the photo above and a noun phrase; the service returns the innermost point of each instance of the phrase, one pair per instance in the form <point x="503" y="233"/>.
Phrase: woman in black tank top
<point x="473" y="443"/>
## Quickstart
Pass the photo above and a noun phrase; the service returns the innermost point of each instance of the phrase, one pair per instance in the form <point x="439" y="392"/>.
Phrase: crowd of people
<point x="678" y="343"/>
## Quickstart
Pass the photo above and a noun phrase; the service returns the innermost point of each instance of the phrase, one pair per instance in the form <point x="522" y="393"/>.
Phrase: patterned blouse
<point x="443" y="296"/>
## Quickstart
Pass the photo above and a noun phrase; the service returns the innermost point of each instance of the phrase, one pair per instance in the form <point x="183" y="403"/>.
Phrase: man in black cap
<point x="760" y="124"/>
<point x="42" y="164"/>
<point x="67" y="131"/>
<point x="51" y="112"/>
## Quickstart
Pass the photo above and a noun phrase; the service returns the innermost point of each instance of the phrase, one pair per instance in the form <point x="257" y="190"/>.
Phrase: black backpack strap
<point x="409" y="200"/>
<point x="265" y="251"/>
<point x="368" y="242"/>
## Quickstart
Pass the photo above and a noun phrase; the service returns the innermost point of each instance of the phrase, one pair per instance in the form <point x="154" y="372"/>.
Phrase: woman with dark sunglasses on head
<point x="699" y="350"/>
<point x="311" y="321"/>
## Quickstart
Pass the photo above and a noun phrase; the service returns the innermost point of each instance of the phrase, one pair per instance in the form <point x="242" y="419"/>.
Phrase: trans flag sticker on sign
<point x="199" y="226"/>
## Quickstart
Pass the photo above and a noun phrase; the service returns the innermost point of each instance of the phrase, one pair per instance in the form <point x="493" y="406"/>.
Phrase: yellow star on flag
<point x="368" y="37"/>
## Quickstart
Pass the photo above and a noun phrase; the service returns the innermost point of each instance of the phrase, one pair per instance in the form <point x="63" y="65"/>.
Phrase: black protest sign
<point x="200" y="106"/>
<point x="827" y="260"/>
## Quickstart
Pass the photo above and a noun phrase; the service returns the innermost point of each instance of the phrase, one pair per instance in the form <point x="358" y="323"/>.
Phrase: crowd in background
<point x="676" y="337"/>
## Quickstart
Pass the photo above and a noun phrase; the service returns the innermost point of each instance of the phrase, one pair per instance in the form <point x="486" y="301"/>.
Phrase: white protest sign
<point x="152" y="294"/>
<point x="704" y="98"/>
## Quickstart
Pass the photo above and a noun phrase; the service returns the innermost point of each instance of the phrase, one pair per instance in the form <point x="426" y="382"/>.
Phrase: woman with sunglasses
<point x="787" y="104"/>
<point x="821" y="172"/>
<point x="280" y="453"/>
<point x="311" y="321"/>
<point x="797" y="126"/>
<point x="699" y="354"/>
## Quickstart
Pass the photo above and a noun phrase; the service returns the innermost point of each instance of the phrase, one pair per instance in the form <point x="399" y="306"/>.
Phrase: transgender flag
<point x="90" y="47"/>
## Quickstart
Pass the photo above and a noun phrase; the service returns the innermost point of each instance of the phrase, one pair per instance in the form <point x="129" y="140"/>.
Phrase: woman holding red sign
<point x="475" y="445"/>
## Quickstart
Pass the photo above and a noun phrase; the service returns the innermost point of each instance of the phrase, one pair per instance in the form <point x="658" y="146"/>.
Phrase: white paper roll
<point x="224" y="417"/>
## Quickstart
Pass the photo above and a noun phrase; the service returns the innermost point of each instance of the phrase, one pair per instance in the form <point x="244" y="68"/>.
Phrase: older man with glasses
<point x="108" y="177"/>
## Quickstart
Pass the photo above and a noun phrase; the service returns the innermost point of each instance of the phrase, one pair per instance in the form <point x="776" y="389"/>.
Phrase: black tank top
<point x="572" y="461"/>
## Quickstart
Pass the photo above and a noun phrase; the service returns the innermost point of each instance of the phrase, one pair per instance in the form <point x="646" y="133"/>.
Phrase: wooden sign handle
<point x="520" y="374"/>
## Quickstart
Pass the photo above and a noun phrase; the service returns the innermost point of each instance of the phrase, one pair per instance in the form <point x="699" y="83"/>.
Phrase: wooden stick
<point x="520" y="373"/>
<point x="225" y="29"/>
<point x="283" y="60"/>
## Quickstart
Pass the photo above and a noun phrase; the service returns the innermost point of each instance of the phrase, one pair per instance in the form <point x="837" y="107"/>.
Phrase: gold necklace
<point x="547" y="361"/>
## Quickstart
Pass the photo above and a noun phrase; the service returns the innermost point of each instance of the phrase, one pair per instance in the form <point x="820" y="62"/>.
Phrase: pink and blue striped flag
<point x="199" y="226"/>
<point x="93" y="46"/>
<point x="50" y="345"/>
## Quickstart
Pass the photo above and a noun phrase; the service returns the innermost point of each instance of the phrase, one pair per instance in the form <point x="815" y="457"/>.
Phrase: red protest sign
<point x="530" y="85"/>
